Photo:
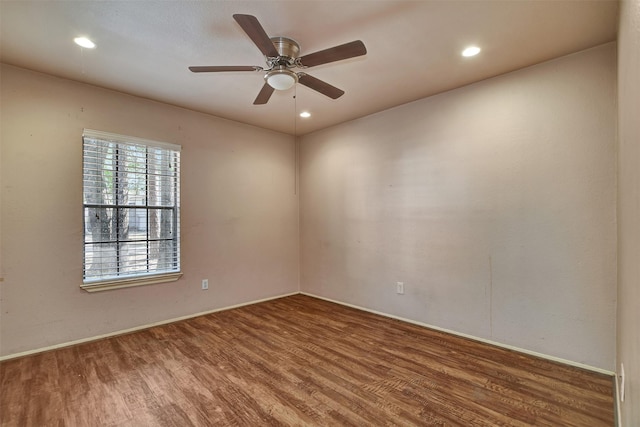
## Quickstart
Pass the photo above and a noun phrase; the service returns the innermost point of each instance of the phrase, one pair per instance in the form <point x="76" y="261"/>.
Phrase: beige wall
<point x="629" y="207"/>
<point x="493" y="203"/>
<point x="239" y="212"/>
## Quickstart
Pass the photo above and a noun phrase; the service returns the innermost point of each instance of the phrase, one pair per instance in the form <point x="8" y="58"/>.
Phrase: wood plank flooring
<point x="297" y="361"/>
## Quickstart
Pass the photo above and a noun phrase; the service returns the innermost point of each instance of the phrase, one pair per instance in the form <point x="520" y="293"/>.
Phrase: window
<point x="131" y="198"/>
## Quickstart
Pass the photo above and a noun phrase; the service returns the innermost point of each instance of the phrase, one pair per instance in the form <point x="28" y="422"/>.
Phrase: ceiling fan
<point x="282" y="56"/>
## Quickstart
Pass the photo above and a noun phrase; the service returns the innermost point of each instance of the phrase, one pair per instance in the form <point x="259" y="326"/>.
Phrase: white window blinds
<point x="131" y="198"/>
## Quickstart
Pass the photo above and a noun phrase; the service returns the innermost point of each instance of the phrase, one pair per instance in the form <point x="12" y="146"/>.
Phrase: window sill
<point x="128" y="283"/>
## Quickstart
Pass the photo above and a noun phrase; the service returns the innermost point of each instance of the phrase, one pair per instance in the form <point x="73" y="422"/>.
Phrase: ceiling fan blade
<point x="264" y="95"/>
<point x="256" y="33"/>
<point x="214" y="69"/>
<point x="320" y="86"/>
<point x="337" y="53"/>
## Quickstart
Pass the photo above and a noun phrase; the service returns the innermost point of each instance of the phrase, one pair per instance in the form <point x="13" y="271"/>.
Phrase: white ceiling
<point x="144" y="48"/>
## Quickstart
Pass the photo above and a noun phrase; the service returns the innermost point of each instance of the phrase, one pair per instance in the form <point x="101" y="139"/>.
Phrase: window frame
<point x="144" y="278"/>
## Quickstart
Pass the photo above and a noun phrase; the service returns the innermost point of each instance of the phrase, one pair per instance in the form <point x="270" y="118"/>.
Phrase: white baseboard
<point x="471" y="337"/>
<point x="136" y="328"/>
<point x="616" y="403"/>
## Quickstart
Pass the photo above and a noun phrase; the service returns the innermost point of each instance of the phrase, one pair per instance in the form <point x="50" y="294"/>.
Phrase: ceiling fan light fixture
<point x="281" y="79"/>
<point x="281" y="55"/>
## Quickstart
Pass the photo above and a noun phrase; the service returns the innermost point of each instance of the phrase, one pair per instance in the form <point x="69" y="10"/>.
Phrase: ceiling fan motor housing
<point x="280" y="77"/>
<point x="288" y="49"/>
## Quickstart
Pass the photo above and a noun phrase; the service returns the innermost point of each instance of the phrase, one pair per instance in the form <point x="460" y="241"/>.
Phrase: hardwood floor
<point x="297" y="361"/>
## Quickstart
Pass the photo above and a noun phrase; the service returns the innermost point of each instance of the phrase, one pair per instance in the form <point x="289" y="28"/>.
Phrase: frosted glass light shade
<point x="281" y="79"/>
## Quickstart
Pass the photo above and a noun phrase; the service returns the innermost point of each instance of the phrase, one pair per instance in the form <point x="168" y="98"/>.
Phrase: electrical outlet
<point x="400" y="288"/>
<point x="205" y="284"/>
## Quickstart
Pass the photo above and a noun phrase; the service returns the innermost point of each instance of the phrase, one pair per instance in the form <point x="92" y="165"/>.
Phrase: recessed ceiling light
<point x="471" y="51"/>
<point x="305" y="114"/>
<point x="84" y="42"/>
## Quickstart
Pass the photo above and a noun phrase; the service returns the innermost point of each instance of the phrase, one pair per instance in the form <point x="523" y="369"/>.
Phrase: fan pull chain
<point x="295" y="111"/>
